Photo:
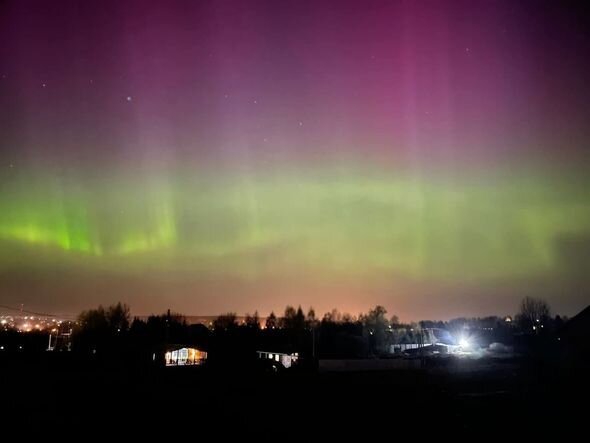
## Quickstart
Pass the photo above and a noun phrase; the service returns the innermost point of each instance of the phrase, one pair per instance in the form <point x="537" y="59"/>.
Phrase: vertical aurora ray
<point x="47" y="217"/>
<point x="222" y="155"/>
<point x="367" y="221"/>
<point x="159" y="233"/>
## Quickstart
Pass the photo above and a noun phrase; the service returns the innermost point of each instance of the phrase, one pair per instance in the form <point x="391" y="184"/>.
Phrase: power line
<point x="40" y="314"/>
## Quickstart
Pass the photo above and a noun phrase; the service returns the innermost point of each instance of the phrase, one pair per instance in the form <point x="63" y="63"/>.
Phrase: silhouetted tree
<point x="376" y="325"/>
<point x="101" y="330"/>
<point x="287" y="321"/>
<point x="271" y="321"/>
<point x="225" y="322"/>
<point x="118" y="317"/>
<point x="310" y="320"/>
<point x="375" y="318"/>
<point x="332" y="317"/>
<point x="253" y="321"/>
<point x="93" y="320"/>
<point x="340" y="336"/>
<point x="347" y="318"/>
<point x="299" y="320"/>
<point x="293" y="319"/>
<point x="533" y="313"/>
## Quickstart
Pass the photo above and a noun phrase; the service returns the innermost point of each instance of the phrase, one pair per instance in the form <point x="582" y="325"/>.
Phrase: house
<point x="287" y="360"/>
<point x="574" y="341"/>
<point x="428" y="340"/>
<point x="179" y="355"/>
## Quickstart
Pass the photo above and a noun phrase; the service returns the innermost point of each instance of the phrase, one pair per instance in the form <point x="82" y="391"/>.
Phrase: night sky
<point x="430" y="156"/>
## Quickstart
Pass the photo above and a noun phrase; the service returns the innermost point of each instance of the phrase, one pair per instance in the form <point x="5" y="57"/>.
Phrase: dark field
<point x="456" y="397"/>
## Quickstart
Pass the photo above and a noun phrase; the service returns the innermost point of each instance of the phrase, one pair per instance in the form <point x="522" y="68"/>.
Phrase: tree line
<point x="109" y="332"/>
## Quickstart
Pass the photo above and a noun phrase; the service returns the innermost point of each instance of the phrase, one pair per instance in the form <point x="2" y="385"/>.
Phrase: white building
<point x="185" y="357"/>
<point x="285" y="359"/>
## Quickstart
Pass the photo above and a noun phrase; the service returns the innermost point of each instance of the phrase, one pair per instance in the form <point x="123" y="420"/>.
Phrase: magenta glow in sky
<point x="211" y="156"/>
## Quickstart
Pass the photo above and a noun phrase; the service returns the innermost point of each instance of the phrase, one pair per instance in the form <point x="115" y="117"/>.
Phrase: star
<point x="128" y="98"/>
<point x="44" y="84"/>
<point x="11" y="165"/>
<point x="300" y="123"/>
<point x="255" y="102"/>
<point x="466" y="49"/>
<point x="226" y="95"/>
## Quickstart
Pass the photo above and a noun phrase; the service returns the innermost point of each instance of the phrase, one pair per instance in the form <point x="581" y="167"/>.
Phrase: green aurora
<point x="364" y="222"/>
<point x="208" y="157"/>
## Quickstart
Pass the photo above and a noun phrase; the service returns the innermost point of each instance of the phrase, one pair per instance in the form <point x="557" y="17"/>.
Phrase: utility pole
<point x="313" y="342"/>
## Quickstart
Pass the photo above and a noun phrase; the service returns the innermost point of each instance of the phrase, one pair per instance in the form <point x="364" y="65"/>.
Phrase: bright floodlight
<point x="464" y="343"/>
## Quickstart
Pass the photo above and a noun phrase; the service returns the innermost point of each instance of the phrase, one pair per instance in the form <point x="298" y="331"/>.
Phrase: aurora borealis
<point x="214" y="156"/>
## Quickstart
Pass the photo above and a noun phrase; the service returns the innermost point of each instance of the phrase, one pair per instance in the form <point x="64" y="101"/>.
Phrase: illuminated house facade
<point x="185" y="356"/>
<point x="287" y="360"/>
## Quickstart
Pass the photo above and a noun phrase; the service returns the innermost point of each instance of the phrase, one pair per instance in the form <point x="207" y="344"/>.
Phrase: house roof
<point x="177" y="346"/>
<point x="578" y="326"/>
